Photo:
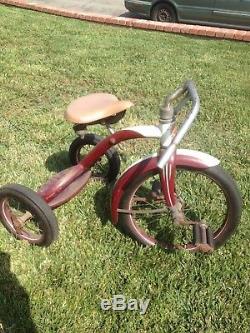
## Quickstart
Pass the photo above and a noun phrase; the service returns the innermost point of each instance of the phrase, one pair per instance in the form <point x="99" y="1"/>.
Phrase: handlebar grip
<point x="187" y="87"/>
<point x="191" y="88"/>
<point x="169" y="99"/>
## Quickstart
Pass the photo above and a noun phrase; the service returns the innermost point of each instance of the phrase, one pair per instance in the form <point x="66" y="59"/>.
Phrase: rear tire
<point x="39" y="228"/>
<point x="113" y="160"/>
<point x="163" y="12"/>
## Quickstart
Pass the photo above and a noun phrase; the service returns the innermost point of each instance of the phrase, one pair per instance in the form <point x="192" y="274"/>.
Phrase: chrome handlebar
<point x="168" y="112"/>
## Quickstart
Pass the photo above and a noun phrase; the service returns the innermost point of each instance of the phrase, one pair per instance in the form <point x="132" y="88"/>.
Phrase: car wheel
<point x="163" y="13"/>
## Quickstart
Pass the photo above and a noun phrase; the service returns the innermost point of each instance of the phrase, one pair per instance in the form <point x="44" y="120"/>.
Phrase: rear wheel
<point x="163" y="12"/>
<point x="204" y="197"/>
<point x="107" y="167"/>
<point x="27" y="216"/>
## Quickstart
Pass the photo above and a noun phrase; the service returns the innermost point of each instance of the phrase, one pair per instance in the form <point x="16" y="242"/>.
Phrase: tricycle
<point x="154" y="200"/>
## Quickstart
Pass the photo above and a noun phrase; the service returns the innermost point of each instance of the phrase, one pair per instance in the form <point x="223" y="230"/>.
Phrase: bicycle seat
<point x="95" y="108"/>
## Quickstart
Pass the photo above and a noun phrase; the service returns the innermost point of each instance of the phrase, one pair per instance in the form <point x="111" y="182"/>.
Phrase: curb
<point x="186" y="29"/>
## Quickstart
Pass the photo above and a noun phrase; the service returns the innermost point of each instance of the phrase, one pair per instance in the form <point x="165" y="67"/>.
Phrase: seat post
<point x="80" y="130"/>
<point x="112" y="131"/>
<point x="109" y="128"/>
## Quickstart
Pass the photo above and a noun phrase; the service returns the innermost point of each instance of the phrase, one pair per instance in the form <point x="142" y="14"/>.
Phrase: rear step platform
<point x="63" y="186"/>
<point x="203" y="238"/>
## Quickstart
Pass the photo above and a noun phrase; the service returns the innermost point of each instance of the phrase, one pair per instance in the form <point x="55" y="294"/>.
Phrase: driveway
<point x="108" y="7"/>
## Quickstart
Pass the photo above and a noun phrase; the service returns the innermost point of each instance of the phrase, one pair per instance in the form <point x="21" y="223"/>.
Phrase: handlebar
<point x="168" y="112"/>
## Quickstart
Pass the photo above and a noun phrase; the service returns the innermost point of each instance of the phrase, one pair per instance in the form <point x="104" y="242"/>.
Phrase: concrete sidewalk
<point x="107" y="7"/>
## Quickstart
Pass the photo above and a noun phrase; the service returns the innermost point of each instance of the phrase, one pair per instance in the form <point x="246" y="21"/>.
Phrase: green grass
<point x="46" y="62"/>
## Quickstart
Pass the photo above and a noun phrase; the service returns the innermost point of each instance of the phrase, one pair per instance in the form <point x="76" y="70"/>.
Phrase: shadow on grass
<point x="58" y="161"/>
<point x="134" y="15"/>
<point x="14" y="301"/>
<point x="102" y="204"/>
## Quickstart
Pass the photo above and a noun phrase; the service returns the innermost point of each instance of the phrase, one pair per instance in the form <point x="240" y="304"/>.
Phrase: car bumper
<point x="138" y="7"/>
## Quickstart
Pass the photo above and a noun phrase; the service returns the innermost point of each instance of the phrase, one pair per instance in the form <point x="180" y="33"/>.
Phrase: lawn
<point x="46" y="62"/>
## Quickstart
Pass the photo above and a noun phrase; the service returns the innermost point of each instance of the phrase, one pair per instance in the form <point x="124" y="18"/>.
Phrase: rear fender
<point x="184" y="157"/>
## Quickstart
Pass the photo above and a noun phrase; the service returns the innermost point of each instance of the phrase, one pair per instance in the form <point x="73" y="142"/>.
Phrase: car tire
<point x="163" y="12"/>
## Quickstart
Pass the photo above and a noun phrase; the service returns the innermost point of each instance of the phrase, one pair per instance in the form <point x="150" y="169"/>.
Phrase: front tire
<point x="163" y="13"/>
<point x="219" y="207"/>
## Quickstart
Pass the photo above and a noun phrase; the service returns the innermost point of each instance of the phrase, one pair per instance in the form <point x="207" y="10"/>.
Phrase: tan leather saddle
<point x="95" y="108"/>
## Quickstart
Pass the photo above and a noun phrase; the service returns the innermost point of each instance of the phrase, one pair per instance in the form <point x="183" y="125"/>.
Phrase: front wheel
<point x="163" y="13"/>
<point x="27" y="216"/>
<point x="208" y="196"/>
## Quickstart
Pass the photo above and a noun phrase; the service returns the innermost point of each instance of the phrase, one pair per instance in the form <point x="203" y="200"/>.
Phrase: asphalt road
<point x="108" y="7"/>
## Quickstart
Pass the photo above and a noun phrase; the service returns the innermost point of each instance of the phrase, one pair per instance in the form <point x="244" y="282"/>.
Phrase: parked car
<point x="224" y="13"/>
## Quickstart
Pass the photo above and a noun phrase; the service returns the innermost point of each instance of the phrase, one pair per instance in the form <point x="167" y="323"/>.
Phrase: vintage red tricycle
<point x="176" y="198"/>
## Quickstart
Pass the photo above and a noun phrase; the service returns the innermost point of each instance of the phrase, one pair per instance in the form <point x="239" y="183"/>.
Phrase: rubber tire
<point x="169" y="8"/>
<point x="47" y="220"/>
<point x="218" y="175"/>
<point x="93" y="139"/>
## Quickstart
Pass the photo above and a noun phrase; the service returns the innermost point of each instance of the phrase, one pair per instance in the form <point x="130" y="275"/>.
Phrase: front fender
<point x="184" y="157"/>
<point x="195" y="159"/>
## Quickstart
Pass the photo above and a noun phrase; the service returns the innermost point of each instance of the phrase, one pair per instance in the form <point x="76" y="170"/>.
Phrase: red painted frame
<point x="66" y="184"/>
<point x="59" y="183"/>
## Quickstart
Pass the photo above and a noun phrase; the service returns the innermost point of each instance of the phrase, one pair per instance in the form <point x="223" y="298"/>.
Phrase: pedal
<point x="203" y="238"/>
